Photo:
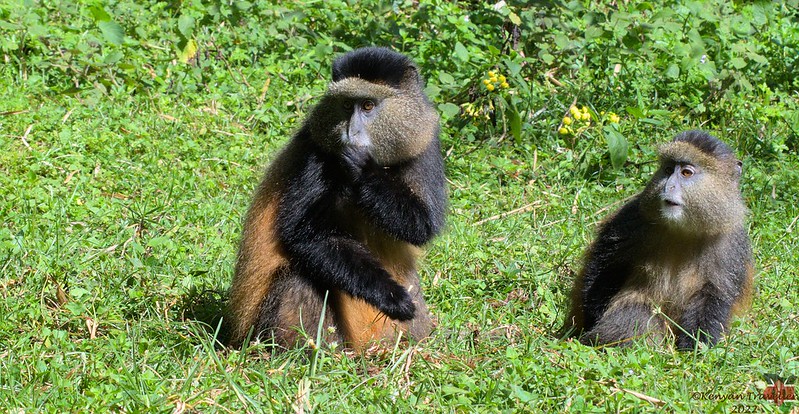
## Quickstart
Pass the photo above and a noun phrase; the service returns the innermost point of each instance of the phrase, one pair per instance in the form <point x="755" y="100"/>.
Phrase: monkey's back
<point x="260" y="255"/>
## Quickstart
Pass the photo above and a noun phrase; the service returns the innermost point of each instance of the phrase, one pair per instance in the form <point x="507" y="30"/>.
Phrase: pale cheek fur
<point x="401" y="137"/>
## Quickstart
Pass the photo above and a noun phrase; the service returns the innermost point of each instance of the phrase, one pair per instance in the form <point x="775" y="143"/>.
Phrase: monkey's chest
<point x="670" y="284"/>
<point x="395" y="256"/>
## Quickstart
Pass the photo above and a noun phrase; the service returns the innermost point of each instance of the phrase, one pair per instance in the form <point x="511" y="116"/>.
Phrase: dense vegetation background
<point x="133" y="133"/>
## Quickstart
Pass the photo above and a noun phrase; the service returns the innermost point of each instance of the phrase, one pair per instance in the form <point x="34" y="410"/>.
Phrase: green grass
<point x="132" y="136"/>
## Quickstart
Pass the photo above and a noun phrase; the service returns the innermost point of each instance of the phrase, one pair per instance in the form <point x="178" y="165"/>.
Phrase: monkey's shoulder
<point x="626" y="226"/>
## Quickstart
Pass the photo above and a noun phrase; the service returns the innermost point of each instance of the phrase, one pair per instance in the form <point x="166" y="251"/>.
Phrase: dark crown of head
<point x="373" y="64"/>
<point x="706" y="143"/>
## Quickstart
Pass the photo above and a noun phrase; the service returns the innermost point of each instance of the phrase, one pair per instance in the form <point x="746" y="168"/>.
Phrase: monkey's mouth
<point x="672" y="203"/>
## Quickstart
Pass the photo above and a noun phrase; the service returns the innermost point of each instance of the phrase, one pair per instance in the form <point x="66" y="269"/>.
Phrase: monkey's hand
<point x="355" y="159"/>
<point x="705" y="318"/>
<point x="396" y="302"/>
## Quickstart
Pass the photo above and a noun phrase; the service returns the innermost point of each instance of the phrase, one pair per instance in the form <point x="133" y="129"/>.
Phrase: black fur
<point x="706" y="143"/>
<point x="374" y="64"/>
<point x="607" y="268"/>
<point x="322" y="201"/>
<point x="383" y="195"/>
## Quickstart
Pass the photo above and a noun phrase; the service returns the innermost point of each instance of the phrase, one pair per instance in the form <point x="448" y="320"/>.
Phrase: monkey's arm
<point x="708" y="312"/>
<point x="705" y="318"/>
<point x="407" y="201"/>
<point x="607" y="265"/>
<point x="319" y="248"/>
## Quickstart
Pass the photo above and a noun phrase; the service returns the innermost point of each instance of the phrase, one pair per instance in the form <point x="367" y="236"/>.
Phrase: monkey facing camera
<point x="676" y="258"/>
<point x="336" y="226"/>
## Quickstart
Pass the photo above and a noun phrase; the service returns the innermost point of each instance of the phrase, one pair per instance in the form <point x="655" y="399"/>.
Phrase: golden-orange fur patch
<point x="362" y="323"/>
<point x="260" y="255"/>
<point x="743" y="303"/>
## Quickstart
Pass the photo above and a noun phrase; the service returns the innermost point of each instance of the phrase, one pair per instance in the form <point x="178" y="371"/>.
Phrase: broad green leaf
<point x="513" y="67"/>
<point x="523" y="396"/>
<point x="738" y="63"/>
<point x="652" y="121"/>
<point x="636" y="112"/>
<point x="449" y="109"/>
<point x="446" y="78"/>
<point x="617" y="147"/>
<point x="758" y="58"/>
<point x="461" y="52"/>
<point x="113" y="57"/>
<point x="99" y="14"/>
<point x="186" y="25"/>
<point x="161" y="242"/>
<point x="112" y="31"/>
<point x="547" y="58"/>
<point x="673" y="71"/>
<point x="515" y="124"/>
<point x="593" y="32"/>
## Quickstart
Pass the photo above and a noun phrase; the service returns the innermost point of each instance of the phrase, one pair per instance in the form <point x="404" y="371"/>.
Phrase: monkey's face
<point x="360" y="114"/>
<point x="677" y="178"/>
<point x="391" y="124"/>
<point x="693" y="193"/>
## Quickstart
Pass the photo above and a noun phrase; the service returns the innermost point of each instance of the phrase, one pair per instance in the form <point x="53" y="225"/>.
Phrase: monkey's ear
<point x="739" y="166"/>
<point x="411" y="80"/>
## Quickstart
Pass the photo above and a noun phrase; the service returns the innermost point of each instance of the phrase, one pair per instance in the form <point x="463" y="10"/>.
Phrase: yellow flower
<point x="613" y="118"/>
<point x="493" y="79"/>
<point x="567" y="120"/>
<point x="492" y="74"/>
<point x="502" y="78"/>
<point x="486" y="81"/>
<point x="563" y="130"/>
<point x="574" y="111"/>
<point x="490" y="87"/>
<point x="505" y="85"/>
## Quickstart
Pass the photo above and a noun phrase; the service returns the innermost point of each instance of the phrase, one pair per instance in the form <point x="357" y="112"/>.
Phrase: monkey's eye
<point x="348" y="106"/>
<point x="367" y="105"/>
<point x="669" y="170"/>
<point x="687" y="172"/>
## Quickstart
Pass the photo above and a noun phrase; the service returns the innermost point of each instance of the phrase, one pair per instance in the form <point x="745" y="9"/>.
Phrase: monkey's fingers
<point x="397" y="304"/>
<point x="354" y="160"/>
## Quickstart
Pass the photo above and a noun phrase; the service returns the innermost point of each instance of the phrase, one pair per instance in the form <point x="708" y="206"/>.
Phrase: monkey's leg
<point x="705" y="318"/>
<point x="421" y="325"/>
<point x="321" y="250"/>
<point x="292" y="311"/>
<point x="628" y="316"/>
<point x="362" y="324"/>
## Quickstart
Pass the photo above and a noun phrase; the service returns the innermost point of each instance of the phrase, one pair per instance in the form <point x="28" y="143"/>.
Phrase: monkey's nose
<point x="357" y="136"/>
